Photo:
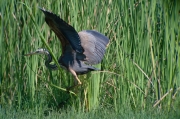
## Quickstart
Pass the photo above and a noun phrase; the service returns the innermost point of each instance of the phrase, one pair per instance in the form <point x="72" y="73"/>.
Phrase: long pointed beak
<point x="31" y="53"/>
<point x="38" y="51"/>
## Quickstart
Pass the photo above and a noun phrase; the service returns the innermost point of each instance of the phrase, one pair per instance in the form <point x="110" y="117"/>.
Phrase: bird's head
<point x="38" y="51"/>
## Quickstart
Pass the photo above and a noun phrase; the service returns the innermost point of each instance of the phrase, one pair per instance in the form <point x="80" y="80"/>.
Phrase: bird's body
<point x="78" y="49"/>
<point x="70" y="61"/>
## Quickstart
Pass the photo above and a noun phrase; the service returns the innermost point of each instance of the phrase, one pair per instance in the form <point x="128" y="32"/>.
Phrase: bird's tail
<point x="93" y="68"/>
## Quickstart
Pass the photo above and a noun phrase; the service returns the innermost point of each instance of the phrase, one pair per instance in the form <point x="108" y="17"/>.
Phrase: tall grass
<point x="140" y="68"/>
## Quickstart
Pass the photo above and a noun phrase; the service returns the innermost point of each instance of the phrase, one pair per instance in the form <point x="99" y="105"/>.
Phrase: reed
<point x="140" y="68"/>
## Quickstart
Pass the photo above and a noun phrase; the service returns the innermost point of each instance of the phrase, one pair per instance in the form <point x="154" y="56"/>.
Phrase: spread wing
<point x="94" y="44"/>
<point x="66" y="33"/>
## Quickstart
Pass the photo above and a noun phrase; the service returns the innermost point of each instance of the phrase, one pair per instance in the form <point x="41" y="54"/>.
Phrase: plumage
<point x="66" y="33"/>
<point x="94" y="44"/>
<point x="78" y="49"/>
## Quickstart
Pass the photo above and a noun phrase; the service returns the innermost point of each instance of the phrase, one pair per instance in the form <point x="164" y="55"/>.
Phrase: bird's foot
<point x="71" y="87"/>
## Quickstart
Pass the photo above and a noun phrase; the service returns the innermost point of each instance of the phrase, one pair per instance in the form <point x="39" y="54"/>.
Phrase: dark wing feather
<point x="66" y="33"/>
<point x="94" y="44"/>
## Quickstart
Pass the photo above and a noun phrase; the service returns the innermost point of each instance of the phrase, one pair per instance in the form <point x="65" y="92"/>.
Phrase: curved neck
<point x="48" y="61"/>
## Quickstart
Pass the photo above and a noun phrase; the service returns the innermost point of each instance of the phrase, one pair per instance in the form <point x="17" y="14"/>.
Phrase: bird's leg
<point x="76" y="79"/>
<point x="75" y="76"/>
